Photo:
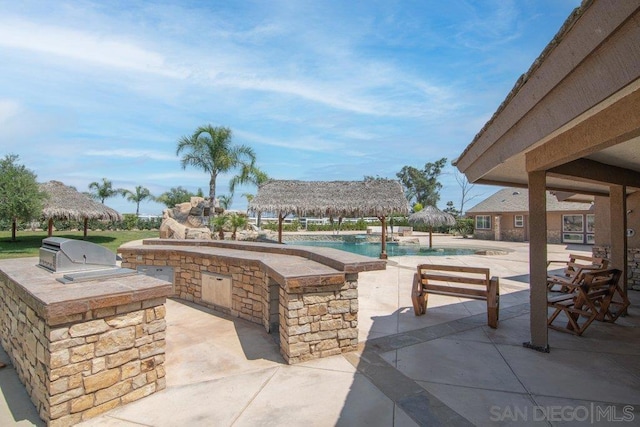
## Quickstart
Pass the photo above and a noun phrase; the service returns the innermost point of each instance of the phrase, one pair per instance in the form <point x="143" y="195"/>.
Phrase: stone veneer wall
<point x="314" y="321"/>
<point x="513" y="234"/>
<point x="75" y="367"/>
<point x="633" y="263"/>
<point x="484" y="234"/>
<point x="249" y="297"/>
<point x="553" y="236"/>
<point x="319" y="322"/>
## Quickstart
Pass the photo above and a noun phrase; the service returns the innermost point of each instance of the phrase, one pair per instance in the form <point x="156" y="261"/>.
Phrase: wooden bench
<point x="573" y="271"/>
<point x="463" y="282"/>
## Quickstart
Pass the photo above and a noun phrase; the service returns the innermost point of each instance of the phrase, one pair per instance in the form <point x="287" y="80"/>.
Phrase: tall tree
<point x="175" y="196"/>
<point x="104" y="190"/>
<point x="209" y="148"/>
<point x="452" y="209"/>
<point x="249" y="174"/>
<point x="20" y="195"/>
<point x="465" y="187"/>
<point x="141" y="194"/>
<point x="249" y="198"/>
<point x="422" y="185"/>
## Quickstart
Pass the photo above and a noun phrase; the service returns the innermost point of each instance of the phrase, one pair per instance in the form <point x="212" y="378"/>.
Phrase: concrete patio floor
<point x="444" y="368"/>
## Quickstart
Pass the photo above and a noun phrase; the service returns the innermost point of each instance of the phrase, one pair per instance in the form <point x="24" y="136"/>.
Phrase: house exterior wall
<point x="509" y="232"/>
<point x="602" y="246"/>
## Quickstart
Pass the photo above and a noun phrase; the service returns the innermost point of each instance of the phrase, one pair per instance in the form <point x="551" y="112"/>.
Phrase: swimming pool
<point x="393" y="249"/>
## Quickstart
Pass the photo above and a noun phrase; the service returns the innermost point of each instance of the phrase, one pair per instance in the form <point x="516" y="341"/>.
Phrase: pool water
<point x="373" y="249"/>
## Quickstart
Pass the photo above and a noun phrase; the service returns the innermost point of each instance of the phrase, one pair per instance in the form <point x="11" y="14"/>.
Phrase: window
<point x="519" y="221"/>
<point x="573" y="223"/>
<point x="591" y="228"/>
<point x="573" y="238"/>
<point x="591" y="221"/>
<point x="483" y="222"/>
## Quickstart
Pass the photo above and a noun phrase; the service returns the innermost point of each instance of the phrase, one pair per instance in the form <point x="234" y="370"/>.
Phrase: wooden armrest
<point x="571" y="287"/>
<point x="590" y="268"/>
<point x="561" y="280"/>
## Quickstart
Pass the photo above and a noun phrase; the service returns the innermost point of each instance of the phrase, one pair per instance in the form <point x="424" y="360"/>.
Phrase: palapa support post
<point x="50" y="228"/>
<point x="430" y="237"/>
<point x="383" y="251"/>
<point x="280" y="220"/>
<point x="86" y="225"/>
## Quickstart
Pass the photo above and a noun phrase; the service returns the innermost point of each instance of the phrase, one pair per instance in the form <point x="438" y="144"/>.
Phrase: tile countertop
<point x="293" y="267"/>
<point x="52" y="299"/>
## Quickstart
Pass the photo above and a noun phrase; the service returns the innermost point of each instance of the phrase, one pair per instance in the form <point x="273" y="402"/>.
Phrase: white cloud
<point x="131" y="153"/>
<point x="338" y="78"/>
<point x="83" y="46"/>
<point x="8" y="110"/>
<point x="303" y="144"/>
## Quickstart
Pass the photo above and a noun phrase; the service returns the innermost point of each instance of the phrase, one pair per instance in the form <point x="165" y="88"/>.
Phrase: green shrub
<point x="130" y="221"/>
<point x="464" y="226"/>
<point x="273" y="226"/>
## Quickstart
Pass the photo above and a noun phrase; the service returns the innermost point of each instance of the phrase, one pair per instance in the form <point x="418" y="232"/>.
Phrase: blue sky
<point x="321" y="90"/>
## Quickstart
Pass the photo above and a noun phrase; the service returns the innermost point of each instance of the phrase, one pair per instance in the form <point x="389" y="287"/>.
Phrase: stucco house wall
<point x="602" y="246"/>
<point x="504" y="206"/>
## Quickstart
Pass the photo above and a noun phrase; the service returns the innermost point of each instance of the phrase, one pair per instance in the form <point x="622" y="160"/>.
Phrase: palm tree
<point x="210" y="149"/>
<point x="250" y="175"/>
<point x="219" y="223"/>
<point x="104" y="191"/>
<point x="237" y="221"/>
<point x="175" y="196"/>
<point x="225" y="201"/>
<point x="140" y="195"/>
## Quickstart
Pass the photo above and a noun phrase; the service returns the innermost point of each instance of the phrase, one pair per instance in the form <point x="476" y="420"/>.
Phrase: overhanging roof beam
<point x="549" y="187"/>
<point x="590" y="170"/>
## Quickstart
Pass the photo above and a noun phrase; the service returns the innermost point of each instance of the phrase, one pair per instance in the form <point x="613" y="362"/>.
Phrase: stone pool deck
<point x="444" y="368"/>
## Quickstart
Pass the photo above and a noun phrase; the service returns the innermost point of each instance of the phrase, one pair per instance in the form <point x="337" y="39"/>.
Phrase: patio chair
<point x="573" y="271"/>
<point x="593" y="298"/>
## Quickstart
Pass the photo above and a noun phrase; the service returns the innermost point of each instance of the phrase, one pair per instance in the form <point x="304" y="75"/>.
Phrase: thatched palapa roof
<point x="432" y="217"/>
<point x="377" y="197"/>
<point x="64" y="202"/>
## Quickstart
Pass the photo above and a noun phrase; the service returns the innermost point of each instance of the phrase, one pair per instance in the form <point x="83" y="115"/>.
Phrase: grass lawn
<point x="28" y="242"/>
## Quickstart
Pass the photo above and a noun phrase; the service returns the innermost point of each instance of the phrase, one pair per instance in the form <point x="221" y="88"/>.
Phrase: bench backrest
<point x="576" y="262"/>
<point x="470" y="282"/>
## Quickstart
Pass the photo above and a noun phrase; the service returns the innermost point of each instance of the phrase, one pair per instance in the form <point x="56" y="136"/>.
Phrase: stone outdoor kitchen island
<point x="308" y="296"/>
<point x="84" y="348"/>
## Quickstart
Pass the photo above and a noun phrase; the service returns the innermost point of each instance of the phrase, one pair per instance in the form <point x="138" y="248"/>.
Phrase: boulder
<point x="186" y="221"/>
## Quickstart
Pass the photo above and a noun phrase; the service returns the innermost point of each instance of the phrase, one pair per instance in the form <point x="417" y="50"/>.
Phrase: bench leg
<point x="418" y="298"/>
<point x="419" y="303"/>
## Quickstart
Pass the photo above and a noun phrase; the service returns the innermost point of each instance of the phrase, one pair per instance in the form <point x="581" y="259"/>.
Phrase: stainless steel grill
<point x="58" y="254"/>
<point x="82" y="261"/>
